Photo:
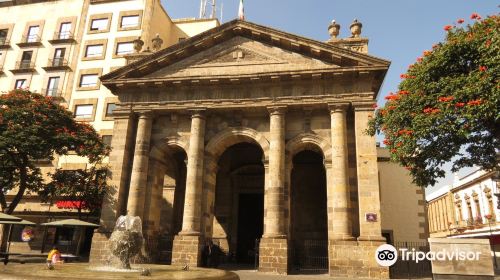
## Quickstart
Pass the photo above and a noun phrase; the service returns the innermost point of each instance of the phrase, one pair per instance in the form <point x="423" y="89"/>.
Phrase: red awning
<point x="70" y="204"/>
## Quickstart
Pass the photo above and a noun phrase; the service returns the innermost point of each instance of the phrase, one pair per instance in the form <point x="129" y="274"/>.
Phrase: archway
<point x="239" y="202"/>
<point x="169" y="177"/>
<point x="309" y="217"/>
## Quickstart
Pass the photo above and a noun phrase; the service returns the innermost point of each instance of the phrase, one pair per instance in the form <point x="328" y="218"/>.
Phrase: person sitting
<point x="54" y="257"/>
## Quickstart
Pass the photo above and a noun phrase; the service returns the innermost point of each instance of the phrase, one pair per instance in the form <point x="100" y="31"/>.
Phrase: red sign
<point x="70" y="204"/>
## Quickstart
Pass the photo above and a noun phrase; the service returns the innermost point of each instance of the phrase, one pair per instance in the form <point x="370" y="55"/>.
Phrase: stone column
<point x="114" y="204"/>
<point x="187" y="245"/>
<point x="338" y="185"/>
<point x="273" y="255"/>
<point x="368" y="193"/>
<point x="139" y="177"/>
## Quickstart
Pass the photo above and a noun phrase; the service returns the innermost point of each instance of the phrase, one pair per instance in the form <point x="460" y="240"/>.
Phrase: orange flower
<point x="426" y="53"/>
<point x="475" y="16"/>
<point x="404" y="92"/>
<point x="446" y="99"/>
<point x="420" y="59"/>
<point x="460" y="105"/>
<point x="483" y="68"/>
<point x="488" y="43"/>
<point x="392" y="97"/>
<point x="448" y="27"/>
<point x="474" y="102"/>
<point x="375" y="106"/>
<point x="460" y="21"/>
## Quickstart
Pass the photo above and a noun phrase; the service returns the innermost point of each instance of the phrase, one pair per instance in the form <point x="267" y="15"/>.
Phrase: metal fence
<point x="409" y="269"/>
<point x="309" y="256"/>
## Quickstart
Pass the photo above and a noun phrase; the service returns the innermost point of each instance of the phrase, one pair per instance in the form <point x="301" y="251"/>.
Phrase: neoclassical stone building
<point x="245" y="132"/>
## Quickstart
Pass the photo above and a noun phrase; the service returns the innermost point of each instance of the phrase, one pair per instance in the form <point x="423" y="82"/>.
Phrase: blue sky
<point x="399" y="30"/>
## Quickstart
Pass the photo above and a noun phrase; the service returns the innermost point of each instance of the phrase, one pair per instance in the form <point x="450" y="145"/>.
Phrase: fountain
<point x="126" y="242"/>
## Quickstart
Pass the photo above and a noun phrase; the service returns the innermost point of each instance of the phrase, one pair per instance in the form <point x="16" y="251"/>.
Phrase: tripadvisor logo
<point x="387" y="255"/>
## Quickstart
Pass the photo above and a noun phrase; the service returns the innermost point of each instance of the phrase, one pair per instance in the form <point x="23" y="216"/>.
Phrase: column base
<point x="355" y="259"/>
<point x="273" y="255"/>
<point x="186" y="250"/>
<point x="99" y="250"/>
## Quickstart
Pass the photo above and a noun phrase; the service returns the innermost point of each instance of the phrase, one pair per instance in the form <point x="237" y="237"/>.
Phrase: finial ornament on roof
<point x="356" y="28"/>
<point x="157" y="42"/>
<point x="334" y="29"/>
<point x="138" y="43"/>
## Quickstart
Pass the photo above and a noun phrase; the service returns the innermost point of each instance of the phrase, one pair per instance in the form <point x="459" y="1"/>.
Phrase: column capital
<point x="277" y="110"/>
<point x="338" y="107"/>
<point x="364" y="106"/>
<point x="327" y="163"/>
<point x="198" y="113"/>
<point x="147" y="114"/>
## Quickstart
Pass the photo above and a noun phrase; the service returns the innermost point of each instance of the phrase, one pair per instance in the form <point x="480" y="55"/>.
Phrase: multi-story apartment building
<point x="467" y="209"/>
<point x="60" y="48"/>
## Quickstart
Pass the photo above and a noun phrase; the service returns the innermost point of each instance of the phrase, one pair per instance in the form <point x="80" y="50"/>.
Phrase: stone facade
<point x="250" y="108"/>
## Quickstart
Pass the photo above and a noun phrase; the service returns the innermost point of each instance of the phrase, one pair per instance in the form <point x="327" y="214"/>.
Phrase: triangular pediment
<point x="242" y="49"/>
<point x="239" y="56"/>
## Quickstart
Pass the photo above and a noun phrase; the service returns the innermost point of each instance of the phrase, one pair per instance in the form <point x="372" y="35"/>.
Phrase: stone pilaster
<point x="338" y="180"/>
<point x="138" y="179"/>
<point x="273" y="255"/>
<point x="114" y="204"/>
<point x="362" y="256"/>
<point x="186" y="248"/>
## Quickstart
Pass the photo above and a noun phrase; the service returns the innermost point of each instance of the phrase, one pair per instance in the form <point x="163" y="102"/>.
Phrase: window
<point x="124" y="48"/>
<point x="129" y="21"/>
<point x="59" y="57"/>
<point x="84" y="111"/>
<point x="20" y="83"/>
<point x="26" y="59"/>
<point x="3" y="36"/>
<point x="109" y="109"/>
<point x="88" y="80"/>
<point x="94" y="50"/>
<point x="106" y="139"/>
<point x="52" y="86"/>
<point x="65" y="30"/>
<point x="99" y="24"/>
<point x="181" y="39"/>
<point x="33" y="34"/>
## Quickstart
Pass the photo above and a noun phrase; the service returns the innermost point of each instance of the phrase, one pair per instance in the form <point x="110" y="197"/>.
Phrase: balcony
<point x="57" y="64"/>
<point x="52" y="92"/>
<point x="30" y="41"/>
<point x="24" y="66"/>
<point x="4" y="43"/>
<point x="63" y="38"/>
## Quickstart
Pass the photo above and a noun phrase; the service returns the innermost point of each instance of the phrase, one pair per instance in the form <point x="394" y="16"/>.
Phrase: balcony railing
<point x="63" y="37"/>
<point x="24" y="66"/>
<point x="57" y="63"/>
<point x="30" y="40"/>
<point x="52" y="92"/>
<point x="4" y="43"/>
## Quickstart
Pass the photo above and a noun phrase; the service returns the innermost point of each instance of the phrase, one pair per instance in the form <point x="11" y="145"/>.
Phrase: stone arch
<point x="166" y="146"/>
<point x="308" y="141"/>
<point x="234" y="135"/>
<point x="213" y="150"/>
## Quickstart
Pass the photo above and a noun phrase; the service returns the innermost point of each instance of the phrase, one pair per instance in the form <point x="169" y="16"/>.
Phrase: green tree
<point x="83" y="189"/>
<point x="447" y="107"/>
<point x="34" y="128"/>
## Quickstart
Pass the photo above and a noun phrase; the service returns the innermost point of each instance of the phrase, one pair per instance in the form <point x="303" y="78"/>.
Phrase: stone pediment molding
<point x="340" y="61"/>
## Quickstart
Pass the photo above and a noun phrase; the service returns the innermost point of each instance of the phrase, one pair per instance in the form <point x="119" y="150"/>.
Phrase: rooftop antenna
<point x="203" y="8"/>
<point x="221" y="11"/>
<point x="214" y="9"/>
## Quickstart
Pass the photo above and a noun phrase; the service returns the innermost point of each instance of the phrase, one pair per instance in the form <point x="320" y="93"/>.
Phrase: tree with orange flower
<point x="33" y="129"/>
<point x="448" y="105"/>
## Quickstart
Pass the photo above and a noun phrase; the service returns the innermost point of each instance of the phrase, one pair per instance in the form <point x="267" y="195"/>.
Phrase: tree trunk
<point x="23" y="176"/>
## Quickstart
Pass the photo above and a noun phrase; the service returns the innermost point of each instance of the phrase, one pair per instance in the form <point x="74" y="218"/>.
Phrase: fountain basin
<point x="84" y="271"/>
